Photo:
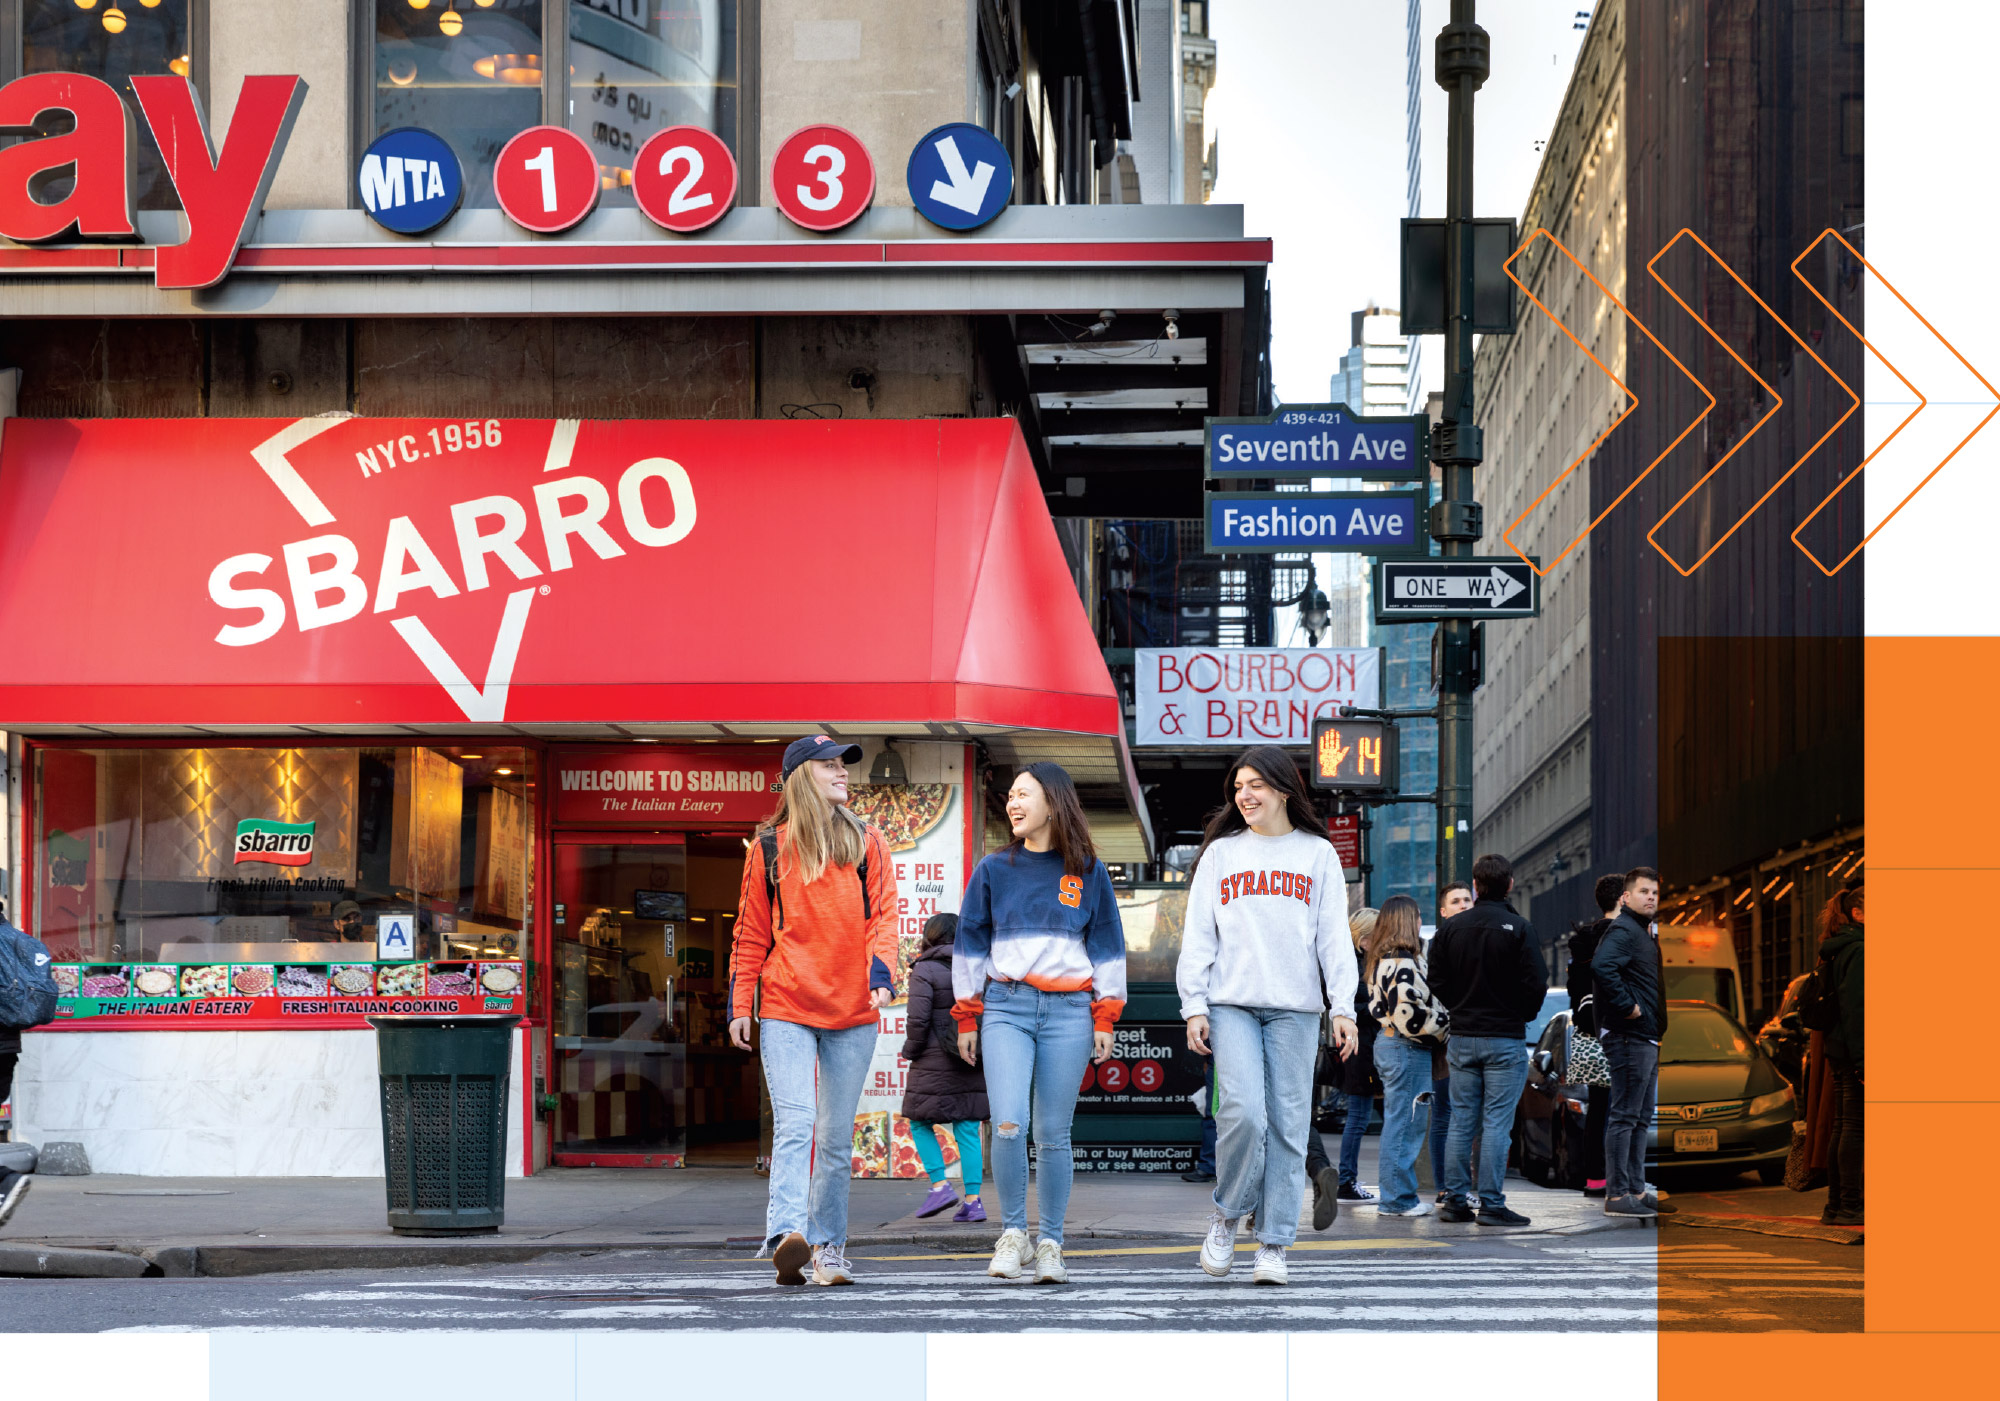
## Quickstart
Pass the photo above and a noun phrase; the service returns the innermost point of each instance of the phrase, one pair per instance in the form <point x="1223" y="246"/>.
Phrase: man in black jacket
<point x="1631" y="1019"/>
<point x="1486" y="966"/>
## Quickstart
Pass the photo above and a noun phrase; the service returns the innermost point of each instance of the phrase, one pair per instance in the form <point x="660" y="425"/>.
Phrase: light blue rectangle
<point x="1348" y="522"/>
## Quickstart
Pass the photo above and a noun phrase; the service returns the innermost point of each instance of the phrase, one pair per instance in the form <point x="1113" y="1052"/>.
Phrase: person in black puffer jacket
<point x="941" y="1088"/>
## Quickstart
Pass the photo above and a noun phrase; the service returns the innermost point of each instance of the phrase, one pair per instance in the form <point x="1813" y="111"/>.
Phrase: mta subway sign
<point x="410" y="181"/>
<point x="1340" y="522"/>
<point x="1317" y="440"/>
<point x="1480" y="586"/>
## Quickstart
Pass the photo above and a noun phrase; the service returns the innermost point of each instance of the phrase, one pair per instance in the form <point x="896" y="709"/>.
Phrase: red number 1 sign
<point x="546" y="179"/>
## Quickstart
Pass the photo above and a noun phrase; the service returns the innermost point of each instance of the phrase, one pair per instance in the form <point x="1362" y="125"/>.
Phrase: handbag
<point x="1799" y="1175"/>
<point x="1588" y="1064"/>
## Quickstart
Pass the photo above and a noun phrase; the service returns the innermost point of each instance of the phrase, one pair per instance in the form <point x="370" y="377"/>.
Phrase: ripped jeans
<point x="1034" y="1044"/>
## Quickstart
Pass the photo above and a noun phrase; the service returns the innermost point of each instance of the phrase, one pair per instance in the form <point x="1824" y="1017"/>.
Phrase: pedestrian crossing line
<point x="1190" y="1248"/>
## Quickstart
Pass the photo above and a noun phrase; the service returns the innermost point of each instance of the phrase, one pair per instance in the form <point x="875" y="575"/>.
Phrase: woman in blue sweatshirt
<point x="1039" y="975"/>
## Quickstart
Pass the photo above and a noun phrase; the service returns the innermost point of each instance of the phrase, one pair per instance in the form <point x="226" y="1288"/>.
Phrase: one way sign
<point x="959" y="176"/>
<point x="1427" y="590"/>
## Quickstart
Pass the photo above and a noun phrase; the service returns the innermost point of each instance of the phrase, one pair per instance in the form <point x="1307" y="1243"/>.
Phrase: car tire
<point x="1771" y="1174"/>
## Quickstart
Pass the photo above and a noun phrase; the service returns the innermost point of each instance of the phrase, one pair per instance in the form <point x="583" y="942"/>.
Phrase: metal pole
<point x="1462" y="66"/>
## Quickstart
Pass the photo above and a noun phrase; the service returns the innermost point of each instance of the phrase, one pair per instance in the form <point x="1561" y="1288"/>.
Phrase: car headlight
<point x="1764" y="1104"/>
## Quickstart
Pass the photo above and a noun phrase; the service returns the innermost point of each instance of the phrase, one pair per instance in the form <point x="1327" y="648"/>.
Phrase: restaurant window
<point x="468" y="70"/>
<point x="640" y="66"/>
<point x="230" y="855"/>
<point x="114" y="41"/>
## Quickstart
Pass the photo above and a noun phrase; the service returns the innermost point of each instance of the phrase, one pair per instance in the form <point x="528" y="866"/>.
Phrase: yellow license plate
<point x="1696" y="1140"/>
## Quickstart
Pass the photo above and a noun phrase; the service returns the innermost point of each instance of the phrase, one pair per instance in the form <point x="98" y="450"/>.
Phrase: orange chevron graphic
<point x="1777" y="403"/>
<point x="1508" y="534"/>
<point x="1922" y="403"/>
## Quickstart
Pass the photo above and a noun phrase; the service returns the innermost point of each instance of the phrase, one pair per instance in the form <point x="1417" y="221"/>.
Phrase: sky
<point x="1308" y="111"/>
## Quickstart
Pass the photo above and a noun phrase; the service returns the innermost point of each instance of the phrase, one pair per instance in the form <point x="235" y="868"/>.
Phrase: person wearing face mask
<point x="817" y="945"/>
<point x="1039" y="978"/>
<point x="1264" y="951"/>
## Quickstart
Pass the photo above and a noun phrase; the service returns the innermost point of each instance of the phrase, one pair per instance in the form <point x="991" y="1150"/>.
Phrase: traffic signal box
<point x="1354" y="755"/>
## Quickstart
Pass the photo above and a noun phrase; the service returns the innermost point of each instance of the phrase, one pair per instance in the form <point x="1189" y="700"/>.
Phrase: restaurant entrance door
<point x="644" y="1072"/>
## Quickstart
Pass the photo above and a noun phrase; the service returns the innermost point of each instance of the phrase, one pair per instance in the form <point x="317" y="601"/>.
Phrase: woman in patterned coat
<point x="1413" y="1023"/>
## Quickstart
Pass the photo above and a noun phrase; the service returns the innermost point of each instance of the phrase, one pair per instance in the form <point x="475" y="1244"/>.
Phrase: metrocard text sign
<point x="1240" y="696"/>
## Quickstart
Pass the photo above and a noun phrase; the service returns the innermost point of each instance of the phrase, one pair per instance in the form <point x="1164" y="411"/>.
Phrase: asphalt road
<point x="1608" y="1281"/>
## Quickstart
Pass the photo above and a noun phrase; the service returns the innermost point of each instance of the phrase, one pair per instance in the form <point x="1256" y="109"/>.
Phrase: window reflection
<point x="111" y="41"/>
<point x="469" y="70"/>
<point x="640" y="66"/>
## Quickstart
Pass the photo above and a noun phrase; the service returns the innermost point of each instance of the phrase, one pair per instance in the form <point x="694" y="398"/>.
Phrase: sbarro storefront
<point x="327" y="717"/>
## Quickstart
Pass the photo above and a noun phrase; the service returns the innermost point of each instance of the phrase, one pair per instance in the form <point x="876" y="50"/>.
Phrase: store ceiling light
<point x="889" y="766"/>
<point x="503" y="771"/>
<point x="402" y="71"/>
<point x="179" y="67"/>
<point x="522" y="69"/>
<point x="451" y="22"/>
<point x="86" y="4"/>
<point x="114" y="20"/>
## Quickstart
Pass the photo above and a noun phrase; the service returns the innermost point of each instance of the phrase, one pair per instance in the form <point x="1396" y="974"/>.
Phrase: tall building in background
<point x="1413" y="164"/>
<point x="1374" y="375"/>
<point x="1542" y="404"/>
<point x="1197" y="68"/>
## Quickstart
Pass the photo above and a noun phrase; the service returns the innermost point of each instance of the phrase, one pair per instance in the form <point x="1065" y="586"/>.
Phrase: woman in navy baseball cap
<point x="813" y="961"/>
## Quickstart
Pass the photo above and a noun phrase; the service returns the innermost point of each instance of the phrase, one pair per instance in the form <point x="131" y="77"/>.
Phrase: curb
<point x="1802" y="1230"/>
<point x="69" y="1262"/>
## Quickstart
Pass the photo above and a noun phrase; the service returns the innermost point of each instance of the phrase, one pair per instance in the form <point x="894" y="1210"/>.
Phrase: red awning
<point x="350" y="574"/>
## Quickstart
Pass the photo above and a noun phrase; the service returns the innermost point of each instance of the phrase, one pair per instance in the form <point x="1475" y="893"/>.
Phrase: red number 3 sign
<point x="822" y="178"/>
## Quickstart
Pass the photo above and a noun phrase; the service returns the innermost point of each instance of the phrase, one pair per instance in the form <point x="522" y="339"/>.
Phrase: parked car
<point x="1548" y="1121"/>
<point x="1553" y="1001"/>
<point x="1723" y="1101"/>
<point x="1784" y="1037"/>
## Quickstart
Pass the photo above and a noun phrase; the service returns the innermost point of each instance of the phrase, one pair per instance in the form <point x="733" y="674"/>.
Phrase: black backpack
<point x="769" y="841"/>
<point x="1819" y="999"/>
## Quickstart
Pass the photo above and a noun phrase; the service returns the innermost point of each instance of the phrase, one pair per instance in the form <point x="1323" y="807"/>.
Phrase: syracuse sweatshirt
<point x="1266" y="924"/>
<point x="1024" y="919"/>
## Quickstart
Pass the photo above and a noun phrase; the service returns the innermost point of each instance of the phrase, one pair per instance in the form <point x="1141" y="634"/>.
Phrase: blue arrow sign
<point x="960" y="176"/>
<point x="1337" y="522"/>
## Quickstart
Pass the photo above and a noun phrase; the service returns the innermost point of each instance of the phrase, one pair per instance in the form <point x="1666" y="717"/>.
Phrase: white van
<point x="1700" y="965"/>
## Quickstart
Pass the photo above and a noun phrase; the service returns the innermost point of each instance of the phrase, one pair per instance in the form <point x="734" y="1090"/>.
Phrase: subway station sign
<point x="1317" y="440"/>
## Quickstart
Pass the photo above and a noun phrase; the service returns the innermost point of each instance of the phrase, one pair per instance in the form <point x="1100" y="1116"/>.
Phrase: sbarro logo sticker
<point x="278" y="843"/>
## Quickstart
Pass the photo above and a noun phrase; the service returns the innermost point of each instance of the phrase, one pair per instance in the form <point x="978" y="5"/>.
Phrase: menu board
<point x="235" y="993"/>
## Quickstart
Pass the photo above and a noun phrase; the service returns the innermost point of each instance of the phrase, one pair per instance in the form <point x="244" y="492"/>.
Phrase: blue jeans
<point x="1440" y="1126"/>
<point x="966" y="1131"/>
<point x="1405" y="1069"/>
<point x="1360" y="1109"/>
<point x="1635" y="1077"/>
<point x="1487" y="1073"/>
<point x="1037" y="1044"/>
<point x="1264" y="1070"/>
<point x="812" y="1146"/>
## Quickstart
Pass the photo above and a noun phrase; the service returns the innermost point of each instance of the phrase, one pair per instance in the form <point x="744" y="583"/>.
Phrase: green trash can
<point x="444" y="1121"/>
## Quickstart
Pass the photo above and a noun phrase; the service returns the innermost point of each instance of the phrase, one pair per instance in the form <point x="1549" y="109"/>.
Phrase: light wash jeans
<point x="1036" y="1045"/>
<point x="1264" y="1076"/>
<point x="812" y="1151"/>
<point x="1405" y="1068"/>
<point x="1487" y="1074"/>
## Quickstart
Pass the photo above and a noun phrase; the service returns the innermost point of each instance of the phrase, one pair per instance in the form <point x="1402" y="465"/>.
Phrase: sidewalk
<point x="259" y="1225"/>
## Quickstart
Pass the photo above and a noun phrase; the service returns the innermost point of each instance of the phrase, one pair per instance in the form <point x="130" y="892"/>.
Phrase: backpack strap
<point x="776" y="901"/>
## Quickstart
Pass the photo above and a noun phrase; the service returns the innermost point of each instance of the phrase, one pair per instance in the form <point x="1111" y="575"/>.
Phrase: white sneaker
<point x="1270" y="1267"/>
<point x="1049" y="1267"/>
<point x="830" y="1265"/>
<point x="1008" y="1254"/>
<point x="1218" y="1248"/>
<point x="1422" y="1208"/>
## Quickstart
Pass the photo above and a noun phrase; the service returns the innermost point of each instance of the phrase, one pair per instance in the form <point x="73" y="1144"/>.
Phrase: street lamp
<point x="1315" y="613"/>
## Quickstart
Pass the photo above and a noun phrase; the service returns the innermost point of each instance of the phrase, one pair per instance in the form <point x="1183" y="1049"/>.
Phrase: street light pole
<point x="1462" y="64"/>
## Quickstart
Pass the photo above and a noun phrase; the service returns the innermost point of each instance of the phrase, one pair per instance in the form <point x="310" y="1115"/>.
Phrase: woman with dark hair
<point x="941" y="1090"/>
<point x="1266" y="929"/>
<point x="1039" y="973"/>
<point x="1413" y="1025"/>
<point x="1834" y="1063"/>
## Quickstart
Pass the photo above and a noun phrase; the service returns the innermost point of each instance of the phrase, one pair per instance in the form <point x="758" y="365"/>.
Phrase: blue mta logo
<point x="410" y="180"/>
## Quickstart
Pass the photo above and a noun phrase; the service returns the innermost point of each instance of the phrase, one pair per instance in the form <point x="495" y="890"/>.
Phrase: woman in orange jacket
<point x="819" y="945"/>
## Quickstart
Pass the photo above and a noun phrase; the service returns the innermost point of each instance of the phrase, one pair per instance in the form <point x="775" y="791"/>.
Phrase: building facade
<point x="411" y="622"/>
<point x="1543" y="406"/>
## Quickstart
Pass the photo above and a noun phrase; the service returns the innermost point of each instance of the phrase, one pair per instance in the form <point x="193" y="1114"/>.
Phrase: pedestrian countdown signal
<point x="1354" y="756"/>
